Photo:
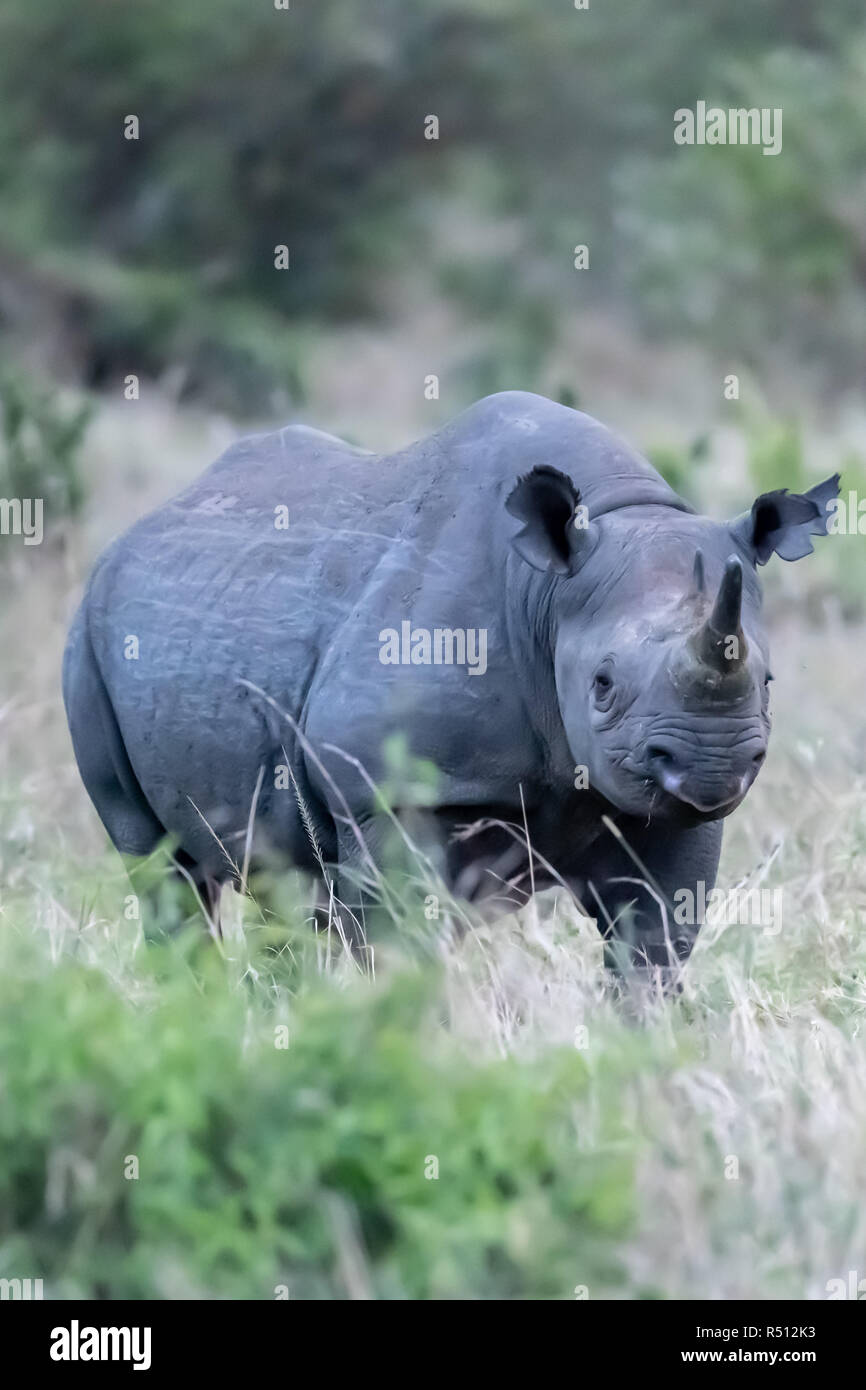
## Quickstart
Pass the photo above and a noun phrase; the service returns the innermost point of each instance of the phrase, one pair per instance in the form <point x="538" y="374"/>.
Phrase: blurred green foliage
<point x="680" y="467"/>
<point x="776" y="458"/>
<point x="41" y="436"/>
<point x="306" y="1165"/>
<point x="305" y="127"/>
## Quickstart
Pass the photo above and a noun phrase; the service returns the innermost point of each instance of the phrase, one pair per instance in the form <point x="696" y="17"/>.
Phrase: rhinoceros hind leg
<point x="100" y="752"/>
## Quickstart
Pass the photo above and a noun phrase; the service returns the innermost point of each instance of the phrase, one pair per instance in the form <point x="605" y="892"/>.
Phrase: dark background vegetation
<point x="305" y="127"/>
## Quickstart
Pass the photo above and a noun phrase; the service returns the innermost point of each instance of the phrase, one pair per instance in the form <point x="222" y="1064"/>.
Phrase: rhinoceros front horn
<point x="720" y="642"/>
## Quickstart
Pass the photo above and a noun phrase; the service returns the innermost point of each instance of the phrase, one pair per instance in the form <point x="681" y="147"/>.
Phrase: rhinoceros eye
<point x="602" y="688"/>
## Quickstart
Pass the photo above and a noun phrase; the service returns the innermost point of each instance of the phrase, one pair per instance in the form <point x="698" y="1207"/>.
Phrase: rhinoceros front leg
<point x="357" y="883"/>
<point x="387" y="864"/>
<point x="645" y="885"/>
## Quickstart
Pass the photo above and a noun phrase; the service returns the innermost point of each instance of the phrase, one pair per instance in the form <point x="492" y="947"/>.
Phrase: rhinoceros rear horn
<point x="698" y="580"/>
<point x="720" y="642"/>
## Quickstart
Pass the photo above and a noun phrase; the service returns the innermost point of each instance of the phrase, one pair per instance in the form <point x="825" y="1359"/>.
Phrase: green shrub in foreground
<point x="301" y="1166"/>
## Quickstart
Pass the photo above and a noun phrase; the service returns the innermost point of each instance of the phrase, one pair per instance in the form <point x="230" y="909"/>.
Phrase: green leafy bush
<point x="305" y="1166"/>
<point x="40" y="443"/>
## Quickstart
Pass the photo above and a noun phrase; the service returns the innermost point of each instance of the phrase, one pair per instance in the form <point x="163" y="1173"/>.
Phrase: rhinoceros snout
<point x="705" y="788"/>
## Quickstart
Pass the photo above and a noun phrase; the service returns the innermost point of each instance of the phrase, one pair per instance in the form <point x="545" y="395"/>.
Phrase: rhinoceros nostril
<point x="658" y="753"/>
<point x="758" y="759"/>
<point x="664" y="767"/>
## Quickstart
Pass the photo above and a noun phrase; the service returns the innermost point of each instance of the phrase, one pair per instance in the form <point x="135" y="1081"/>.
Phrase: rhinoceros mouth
<point x="715" y="801"/>
<point x="676" y="799"/>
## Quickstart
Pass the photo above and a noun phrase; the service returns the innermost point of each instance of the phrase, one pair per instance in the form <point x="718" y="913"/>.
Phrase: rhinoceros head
<point x="659" y="651"/>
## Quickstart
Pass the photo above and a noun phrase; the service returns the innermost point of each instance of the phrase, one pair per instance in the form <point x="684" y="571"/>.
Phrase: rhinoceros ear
<point x="556" y="530"/>
<point x="783" y="522"/>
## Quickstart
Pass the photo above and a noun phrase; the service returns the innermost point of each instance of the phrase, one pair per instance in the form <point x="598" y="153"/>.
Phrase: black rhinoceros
<point x="521" y="597"/>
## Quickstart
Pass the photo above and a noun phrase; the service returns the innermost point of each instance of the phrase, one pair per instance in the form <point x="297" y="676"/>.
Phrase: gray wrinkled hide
<point x="220" y="599"/>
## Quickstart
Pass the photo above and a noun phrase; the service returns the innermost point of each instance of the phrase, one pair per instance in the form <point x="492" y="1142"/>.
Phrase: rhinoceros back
<point x="244" y="581"/>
